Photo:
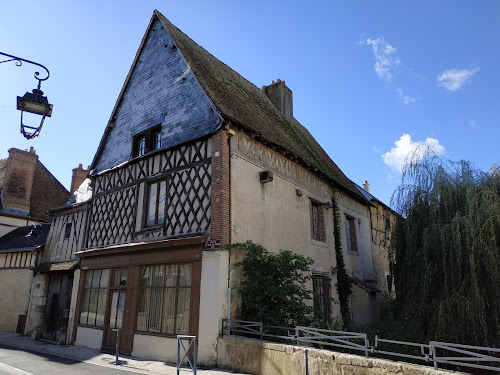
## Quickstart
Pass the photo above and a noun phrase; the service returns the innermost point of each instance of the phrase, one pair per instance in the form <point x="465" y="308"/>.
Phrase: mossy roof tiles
<point x="245" y="104"/>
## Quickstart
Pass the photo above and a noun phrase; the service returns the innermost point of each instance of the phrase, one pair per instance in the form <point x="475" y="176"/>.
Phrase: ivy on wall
<point x="343" y="283"/>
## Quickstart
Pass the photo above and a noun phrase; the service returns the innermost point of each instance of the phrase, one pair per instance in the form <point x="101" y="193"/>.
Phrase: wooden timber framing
<point x="120" y="196"/>
<point x="60" y="246"/>
<point x="18" y="259"/>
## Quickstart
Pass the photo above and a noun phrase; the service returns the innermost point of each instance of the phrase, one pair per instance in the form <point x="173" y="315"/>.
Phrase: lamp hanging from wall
<point x="33" y="102"/>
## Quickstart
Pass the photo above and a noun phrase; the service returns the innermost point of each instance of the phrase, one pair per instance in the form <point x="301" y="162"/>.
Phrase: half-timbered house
<point x="53" y="296"/>
<point x="195" y="157"/>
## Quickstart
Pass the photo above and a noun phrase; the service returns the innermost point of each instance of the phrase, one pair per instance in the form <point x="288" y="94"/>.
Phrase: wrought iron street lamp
<point x="33" y="102"/>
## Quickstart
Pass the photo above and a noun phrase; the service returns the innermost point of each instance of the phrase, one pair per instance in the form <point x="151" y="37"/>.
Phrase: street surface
<point x="19" y="362"/>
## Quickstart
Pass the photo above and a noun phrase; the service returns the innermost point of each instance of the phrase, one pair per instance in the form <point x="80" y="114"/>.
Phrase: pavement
<point x="78" y="353"/>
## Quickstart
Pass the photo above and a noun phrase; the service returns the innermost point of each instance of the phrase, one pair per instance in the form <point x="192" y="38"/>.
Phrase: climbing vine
<point x="343" y="283"/>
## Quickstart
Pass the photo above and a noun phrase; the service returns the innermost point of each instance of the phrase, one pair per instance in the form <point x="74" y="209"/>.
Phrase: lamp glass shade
<point x="35" y="103"/>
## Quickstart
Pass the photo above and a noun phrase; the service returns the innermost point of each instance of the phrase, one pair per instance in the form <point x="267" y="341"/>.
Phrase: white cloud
<point x="406" y="98"/>
<point x="474" y="125"/>
<point x="454" y="79"/>
<point x="385" y="57"/>
<point x="406" y="148"/>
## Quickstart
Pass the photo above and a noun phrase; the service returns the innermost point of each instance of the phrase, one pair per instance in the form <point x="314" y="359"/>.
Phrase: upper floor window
<point x="317" y="221"/>
<point x="67" y="231"/>
<point x="155" y="204"/>
<point x="147" y="141"/>
<point x="352" y="243"/>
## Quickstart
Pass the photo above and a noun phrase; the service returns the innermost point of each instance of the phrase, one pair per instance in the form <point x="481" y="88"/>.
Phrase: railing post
<point x="297" y="335"/>
<point x="433" y="348"/>
<point x="117" y="362"/>
<point x="178" y="354"/>
<point x="192" y="340"/>
<point x="367" y="346"/>
<point x="307" y="362"/>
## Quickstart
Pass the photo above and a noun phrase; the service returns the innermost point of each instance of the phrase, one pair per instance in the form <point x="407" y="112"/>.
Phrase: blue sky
<point x="371" y="80"/>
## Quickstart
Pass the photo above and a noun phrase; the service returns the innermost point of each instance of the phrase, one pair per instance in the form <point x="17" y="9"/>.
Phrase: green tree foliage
<point x="273" y="290"/>
<point x="343" y="283"/>
<point x="446" y="250"/>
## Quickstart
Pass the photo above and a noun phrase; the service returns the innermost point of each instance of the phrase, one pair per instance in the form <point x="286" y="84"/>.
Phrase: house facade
<point x="20" y="251"/>
<point x="193" y="158"/>
<point x="27" y="192"/>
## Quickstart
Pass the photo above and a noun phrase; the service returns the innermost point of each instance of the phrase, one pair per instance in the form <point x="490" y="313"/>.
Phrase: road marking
<point x="13" y="370"/>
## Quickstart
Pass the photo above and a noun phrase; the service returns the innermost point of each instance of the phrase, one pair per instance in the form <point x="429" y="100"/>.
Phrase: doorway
<point x="116" y="313"/>
<point x="55" y="322"/>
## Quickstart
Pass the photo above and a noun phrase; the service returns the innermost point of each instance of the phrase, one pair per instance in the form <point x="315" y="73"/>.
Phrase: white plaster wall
<point x="358" y="263"/>
<point x="89" y="337"/>
<point x="155" y="347"/>
<point x="213" y="304"/>
<point x="15" y="287"/>
<point x="272" y="214"/>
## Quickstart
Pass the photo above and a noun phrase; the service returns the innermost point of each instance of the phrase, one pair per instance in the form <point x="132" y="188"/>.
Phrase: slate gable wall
<point x="162" y="90"/>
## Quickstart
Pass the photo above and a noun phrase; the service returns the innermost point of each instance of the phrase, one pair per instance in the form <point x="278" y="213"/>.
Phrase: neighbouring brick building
<point x="27" y="192"/>
<point x="195" y="157"/>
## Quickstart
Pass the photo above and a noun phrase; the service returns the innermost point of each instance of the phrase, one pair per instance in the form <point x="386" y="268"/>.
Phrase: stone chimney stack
<point x="366" y="186"/>
<point x="18" y="182"/>
<point x="79" y="175"/>
<point x="281" y="96"/>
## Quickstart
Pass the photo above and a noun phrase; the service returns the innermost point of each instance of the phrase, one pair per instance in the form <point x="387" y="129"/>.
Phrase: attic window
<point x="146" y="141"/>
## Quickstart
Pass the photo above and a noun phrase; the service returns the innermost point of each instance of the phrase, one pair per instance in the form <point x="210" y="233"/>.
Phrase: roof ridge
<point x="240" y="100"/>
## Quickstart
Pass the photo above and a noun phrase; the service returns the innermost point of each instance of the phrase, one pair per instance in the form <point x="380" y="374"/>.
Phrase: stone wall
<point x="15" y="286"/>
<point x="256" y="357"/>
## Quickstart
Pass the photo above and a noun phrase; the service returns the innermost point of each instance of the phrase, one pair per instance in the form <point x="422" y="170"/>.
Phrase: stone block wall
<point x="260" y="358"/>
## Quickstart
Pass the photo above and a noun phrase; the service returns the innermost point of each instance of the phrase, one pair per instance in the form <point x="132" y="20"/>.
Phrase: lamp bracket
<point x="19" y="61"/>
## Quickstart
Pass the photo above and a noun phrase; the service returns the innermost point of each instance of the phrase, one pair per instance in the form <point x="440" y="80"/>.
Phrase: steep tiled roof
<point x="46" y="193"/>
<point x="81" y="196"/>
<point x="244" y="103"/>
<point x="25" y="238"/>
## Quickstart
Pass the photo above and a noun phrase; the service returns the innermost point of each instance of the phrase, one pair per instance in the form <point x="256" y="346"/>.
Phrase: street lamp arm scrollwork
<point x="19" y="61"/>
<point x="33" y="102"/>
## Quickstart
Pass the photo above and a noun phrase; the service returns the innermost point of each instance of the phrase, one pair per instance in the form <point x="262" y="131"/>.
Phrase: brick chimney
<point x="366" y="186"/>
<point x="79" y="175"/>
<point x="281" y="96"/>
<point x="18" y="182"/>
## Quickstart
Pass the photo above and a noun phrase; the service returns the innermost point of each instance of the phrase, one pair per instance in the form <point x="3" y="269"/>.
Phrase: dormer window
<point x="147" y="141"/>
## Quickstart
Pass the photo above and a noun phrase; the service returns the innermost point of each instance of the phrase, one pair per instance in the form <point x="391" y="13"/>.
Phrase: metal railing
<point x="425" y="350"/>
<point x="339" y="339"/>
<point x="180" y="344"/>
<point x="469" y="356"/>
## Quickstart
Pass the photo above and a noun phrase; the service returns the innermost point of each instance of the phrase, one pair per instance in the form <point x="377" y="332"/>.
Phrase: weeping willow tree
<point x="446" y="251"/>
